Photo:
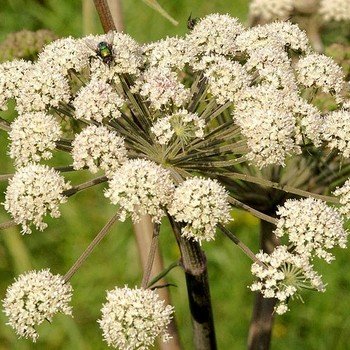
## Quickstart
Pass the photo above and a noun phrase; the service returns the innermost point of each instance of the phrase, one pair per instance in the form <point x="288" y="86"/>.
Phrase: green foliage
<point x="321" y="323"/>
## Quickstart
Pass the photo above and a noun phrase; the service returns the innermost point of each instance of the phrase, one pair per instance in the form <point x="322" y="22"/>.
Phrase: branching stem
<point x="90" y="248"/>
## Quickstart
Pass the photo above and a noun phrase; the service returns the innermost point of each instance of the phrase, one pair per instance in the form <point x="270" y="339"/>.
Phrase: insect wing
<point x="110" y="37"/>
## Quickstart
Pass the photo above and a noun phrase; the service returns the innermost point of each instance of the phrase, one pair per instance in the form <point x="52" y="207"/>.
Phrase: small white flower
<point x="43" y="87"/>
<point x="267" y="119"/>
<point x="170" y="52"/>
<point x="97" y="101"/>
<point x="98" y="148"/>
<point x="33" y="192"/>
<point x="35" y="297"/>
<point x="200" y="204"/>
<point x="225" y="78"/>
<point x="335" y="10"/>
<point x="336" y="131"/>
<point x="162" y="88"/>
<point x="140" y="187"/>
<point x="65" y="54"/>
<point x="271" y="9"/>
<point x="183" y="124"/>
<point x="33" y="136"/>
<point x="133" y="318"/>
<point x="285" y="35"/>
<point x="283" y="275"/>
<point x="319" y="71"/>
<point x="126" y="55"/>
<point x="11" y="75"/>
<point x="312" y="227"/>
<point x="273" y="67"/>
<point x="343" y="193"/>
<point x="214" y="34"/>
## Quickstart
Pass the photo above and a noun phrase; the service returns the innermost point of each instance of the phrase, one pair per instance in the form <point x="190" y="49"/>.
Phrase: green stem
<point x="240" y="244"/>
<point x="251" y="210"/>
<point x="151" y="255"/>
<point x="90" y="248"/>
<point x="285" y="188"/>
<point x="163" y="273"/>
<point x="85" y="185"/>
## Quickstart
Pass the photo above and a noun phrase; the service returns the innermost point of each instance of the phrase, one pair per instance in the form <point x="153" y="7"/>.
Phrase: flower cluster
<point x="65" y="54"/>
<point x="200" y="204"/>
<point x="336" y="10"/>
<point x="181" y="109"/>
<point x="33" y="136"/>
<point x="97" y="101"/>
<point x="43" y="87"/>
<point x="312" y="227"/>
<point x="336" y="131"/>
<point x="343" y="193"/>
<point x="11" y="76"/>
<point x="271" y="9"/>
<point x="35" y="297"/>
<point x="320" y="71"/>
<point x="34" y="191"/>
<point x="225" y="78"/>
<point x="282" y="275"/>
<point x="133" y="318"/>
<point x="183" y="124"/>
<point x="161" y="87"/>
<point x="96" y="147"/>
<point x="140" y="187"/>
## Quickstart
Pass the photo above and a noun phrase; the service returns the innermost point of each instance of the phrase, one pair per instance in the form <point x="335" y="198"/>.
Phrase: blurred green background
<point x="322" y="323"/>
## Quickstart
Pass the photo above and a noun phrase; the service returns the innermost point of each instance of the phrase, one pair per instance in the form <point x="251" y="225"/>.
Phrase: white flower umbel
<point x="97" y="101"/>
<point x="266" y="117"/>
<point x="283" y="276"/>
<point x="170" y="52"/>
<point x="162" y="88"/>
<point x="183" y="124"/>
<point x="312" y="227"/>
<point x="285" y="35"/>
<point x="343" y="193"/>
<point x="65" y="54"/>
<point x="33" y="136"/>
<point x="225" y="78"/>
<point x="98" y="148"/>
<point x="270" y="135"/>
<point x="200" y="204"/>
<point x="336" y="131"/>
<point x="335" y="10"/>
<point x="126" y="55"/>
<point x="215" y="34"/>
<point x="33" y="192"/>
<point x="319" y="71"/>
<point x="273" y="66"/>
<point x="311" y="122"/>
<point x="271" y="9"/>
<point x="35" y="297"/>
<point x="11" y="75"/>
<point x="133" y="318"/>
<point x="43" y="87"/>
<point x="140" y="187"/>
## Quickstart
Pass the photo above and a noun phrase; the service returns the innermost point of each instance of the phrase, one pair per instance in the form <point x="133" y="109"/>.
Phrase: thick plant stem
<point x="104" y="12"/>
<point x="259" y="337"/>
<point x="195" y="266"/>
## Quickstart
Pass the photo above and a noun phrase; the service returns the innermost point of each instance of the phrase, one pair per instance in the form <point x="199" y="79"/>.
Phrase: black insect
<point x="191" y="22"/>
